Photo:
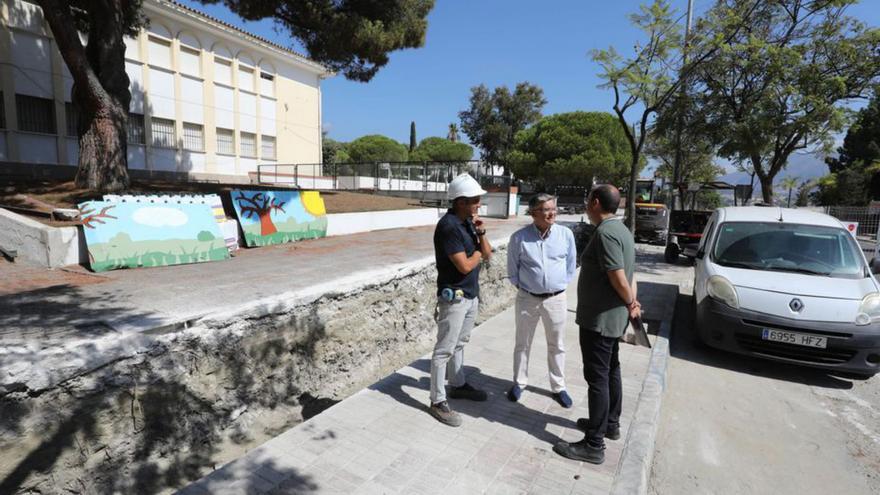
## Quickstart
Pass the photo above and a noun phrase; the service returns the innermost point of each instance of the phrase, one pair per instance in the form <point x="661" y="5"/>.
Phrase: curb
<point x="634" y="469"/>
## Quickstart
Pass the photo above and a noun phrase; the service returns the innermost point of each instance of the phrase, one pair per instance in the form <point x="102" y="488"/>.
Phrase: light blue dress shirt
<point x="541" y="265"/>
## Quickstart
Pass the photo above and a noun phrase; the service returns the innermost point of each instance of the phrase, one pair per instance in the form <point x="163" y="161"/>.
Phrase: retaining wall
<point x="164" y="409"/>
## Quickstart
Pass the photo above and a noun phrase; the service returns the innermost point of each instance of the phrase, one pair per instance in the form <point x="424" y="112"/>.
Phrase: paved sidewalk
<point x="382" y="439"/>
<point x="56" y="307"/>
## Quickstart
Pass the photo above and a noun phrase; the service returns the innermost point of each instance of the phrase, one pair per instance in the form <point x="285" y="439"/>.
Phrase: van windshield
<point x="809" y="249"/>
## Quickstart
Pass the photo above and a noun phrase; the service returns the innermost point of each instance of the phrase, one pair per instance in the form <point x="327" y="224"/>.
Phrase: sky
<point x="491" y="42"/>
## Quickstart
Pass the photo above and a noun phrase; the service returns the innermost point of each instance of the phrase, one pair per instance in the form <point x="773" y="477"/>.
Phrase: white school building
<point x="208" y="100"/>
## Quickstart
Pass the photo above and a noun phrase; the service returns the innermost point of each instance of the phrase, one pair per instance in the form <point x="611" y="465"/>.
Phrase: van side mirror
<point x="875" y="266"/>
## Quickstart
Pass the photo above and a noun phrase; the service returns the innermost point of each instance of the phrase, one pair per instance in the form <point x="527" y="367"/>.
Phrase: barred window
<point x="267" y="144"/>
<point x="193" y="137"/>
<point x="72" y="116"/>
<point x="248" y="144"/>
<point x="163" y="132"/>
<point x="136" y="134"/>
<point x="225" y="141"/>
<point x="35" y="114"/>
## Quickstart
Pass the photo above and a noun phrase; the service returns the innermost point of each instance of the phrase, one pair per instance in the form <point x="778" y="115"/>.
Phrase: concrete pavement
<point x="382" y="440"/>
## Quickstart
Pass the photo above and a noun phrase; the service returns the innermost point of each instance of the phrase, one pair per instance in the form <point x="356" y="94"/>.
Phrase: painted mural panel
<point x="274" y="217"/>
<point x="137" y="234"/>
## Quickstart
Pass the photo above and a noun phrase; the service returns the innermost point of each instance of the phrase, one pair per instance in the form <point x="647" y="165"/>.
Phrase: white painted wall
<point x="352" y="223"/>
<point x="163" y="159"/>
<point x="136" y="76"/>
<point x="161" y="93"/>
<point x="224" y="105"/>
<point x="191" y="161"/>
<point x="31" y="58"/>
<point x="225" y="164"/>
<point x="136" y="157"/>
<point x="246" y="165"/>
<point x="192" y="98"/>
<point x="247" y="112"/>
<point x="267" y="117"/>
<point x="37" y="148"/>
<point x="72" y="145"/>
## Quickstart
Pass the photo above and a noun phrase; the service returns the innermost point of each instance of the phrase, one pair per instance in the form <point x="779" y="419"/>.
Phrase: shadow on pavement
<point x="497" y="408"/>
<point x="685" y="344"/>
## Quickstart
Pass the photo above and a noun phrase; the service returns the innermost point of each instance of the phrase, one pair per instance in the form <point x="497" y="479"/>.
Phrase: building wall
<point x="189" y="77"/>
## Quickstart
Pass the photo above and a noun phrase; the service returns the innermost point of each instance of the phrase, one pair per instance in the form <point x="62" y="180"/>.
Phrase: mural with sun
<point x="275" y="217"/>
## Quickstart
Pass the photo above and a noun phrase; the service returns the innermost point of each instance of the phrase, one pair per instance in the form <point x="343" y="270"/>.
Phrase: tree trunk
<point x="100" y="90"/>
<point x="266" y="225"/>
<point x="103" y="148"/>
<point x="766" y="188"/>
<point x="631" y="195"/>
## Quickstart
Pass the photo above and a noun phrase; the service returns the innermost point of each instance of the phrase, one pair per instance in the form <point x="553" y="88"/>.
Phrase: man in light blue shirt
<point x="541" y="261"/>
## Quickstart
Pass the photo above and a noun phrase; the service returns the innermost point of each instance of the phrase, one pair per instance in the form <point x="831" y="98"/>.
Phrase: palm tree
<point x="453" y="133"/>
<point x="789" y="183"/>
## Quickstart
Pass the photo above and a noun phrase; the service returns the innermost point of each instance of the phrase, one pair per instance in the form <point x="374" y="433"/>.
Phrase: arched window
<point x="159" y="46"/>
<point x="222" y="65"/>
<point x="246" y="80"/>
<point x="190" y="55"/>
<point x="267" y="79"/>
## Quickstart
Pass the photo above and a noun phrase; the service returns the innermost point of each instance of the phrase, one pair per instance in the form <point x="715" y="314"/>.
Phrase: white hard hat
<point x="464" y="186"/>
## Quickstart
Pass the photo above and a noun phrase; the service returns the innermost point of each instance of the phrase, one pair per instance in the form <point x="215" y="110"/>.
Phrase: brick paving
<point x="382" y="439"/>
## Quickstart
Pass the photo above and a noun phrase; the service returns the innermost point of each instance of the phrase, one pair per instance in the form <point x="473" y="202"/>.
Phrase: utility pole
<point x="676" y="167"/>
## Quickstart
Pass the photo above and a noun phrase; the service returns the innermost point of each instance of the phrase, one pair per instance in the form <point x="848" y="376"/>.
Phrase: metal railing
<point x="867" y="217"/>
<point x="413" y="177"/>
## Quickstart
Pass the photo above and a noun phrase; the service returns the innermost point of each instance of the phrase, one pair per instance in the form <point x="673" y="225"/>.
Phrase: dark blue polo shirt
<point x="452" y="235"/>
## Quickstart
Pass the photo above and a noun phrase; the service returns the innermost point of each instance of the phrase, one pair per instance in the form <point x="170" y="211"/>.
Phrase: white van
<point x="789" y="285"/>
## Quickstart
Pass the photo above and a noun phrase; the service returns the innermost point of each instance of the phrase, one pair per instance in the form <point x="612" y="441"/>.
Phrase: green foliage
<point x="437" y="149"/>
<point x="289" y="231"/>
<point x="351" y="37"/>
<point x="132" y="254"/>
<point x="847" y="187"/>
<point x="780" y="85"/>
<point x="412" y="136"/>
<point x="804" y="192"/>
<point x="376" y="148"/>
<point x="572" y="148"/>
<point x="789" y="184"/>
<point x="860" y="153"/>
<point x="333" y="151"/>
<point x="205" y="236"/>
<point x="493" y="119"/>
<point x="647" y="80"/>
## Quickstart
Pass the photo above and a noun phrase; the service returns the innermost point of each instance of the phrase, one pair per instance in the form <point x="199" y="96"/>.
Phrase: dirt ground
<point x="37" y="198"/>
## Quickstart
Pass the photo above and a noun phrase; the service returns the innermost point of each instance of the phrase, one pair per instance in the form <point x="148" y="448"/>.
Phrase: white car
<point x="788" y="285"/>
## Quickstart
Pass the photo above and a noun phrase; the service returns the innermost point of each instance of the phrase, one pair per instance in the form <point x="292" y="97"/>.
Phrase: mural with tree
<point x="279" y="216"/>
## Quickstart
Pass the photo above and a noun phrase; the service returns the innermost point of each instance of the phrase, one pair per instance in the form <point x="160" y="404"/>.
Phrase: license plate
<point x="794" y="338"/>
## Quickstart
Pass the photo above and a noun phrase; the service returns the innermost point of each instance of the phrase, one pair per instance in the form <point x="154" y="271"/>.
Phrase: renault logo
<point x="796" y="305"/>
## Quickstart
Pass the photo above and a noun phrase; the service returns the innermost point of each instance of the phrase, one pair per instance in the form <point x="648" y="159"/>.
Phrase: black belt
<point x="545" y="295"/>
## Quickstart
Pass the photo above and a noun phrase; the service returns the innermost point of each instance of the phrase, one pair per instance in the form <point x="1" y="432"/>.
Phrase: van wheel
<point x="671" y="254"/>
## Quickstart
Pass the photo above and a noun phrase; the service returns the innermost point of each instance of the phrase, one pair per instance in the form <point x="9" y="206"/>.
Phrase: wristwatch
<point x="481" y="231"/>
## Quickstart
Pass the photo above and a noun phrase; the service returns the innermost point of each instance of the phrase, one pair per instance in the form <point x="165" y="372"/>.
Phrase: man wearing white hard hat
<point x="460" y="244"/>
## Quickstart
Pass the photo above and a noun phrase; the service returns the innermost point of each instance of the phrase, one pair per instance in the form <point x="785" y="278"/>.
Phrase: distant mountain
<point x="804" y="166"/>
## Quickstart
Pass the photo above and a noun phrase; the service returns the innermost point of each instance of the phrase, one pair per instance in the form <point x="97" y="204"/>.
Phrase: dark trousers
<point x="602" y="372"/>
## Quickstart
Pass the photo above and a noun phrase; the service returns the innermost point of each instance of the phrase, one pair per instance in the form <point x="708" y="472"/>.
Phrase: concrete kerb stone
<point x="638" y="451"/>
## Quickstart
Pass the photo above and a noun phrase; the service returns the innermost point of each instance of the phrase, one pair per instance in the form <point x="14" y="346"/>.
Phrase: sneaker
<point x="612" y="433"/>
<point x="514" y="393"/>
<point x="445" y="414"/>
<point x="468" y="392"/>
<point x="580" y="451"/>
<point x="563" y="398"/>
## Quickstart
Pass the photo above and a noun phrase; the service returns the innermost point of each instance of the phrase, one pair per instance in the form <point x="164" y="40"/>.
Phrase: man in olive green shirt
<point x="606" y="301"/>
